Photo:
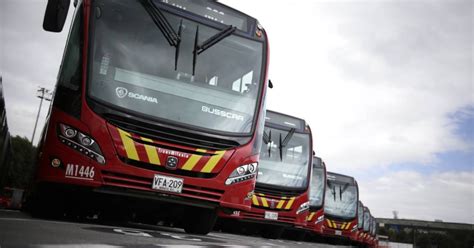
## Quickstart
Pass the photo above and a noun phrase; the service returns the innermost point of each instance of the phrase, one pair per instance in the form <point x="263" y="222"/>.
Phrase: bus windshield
<point x="360" y="216"/>
<point x="132" y="68"/>
<point x="289" y="170"/>
<point x="317" y="188"/>
<point x="340" y="199"/>
<point x="366" y="221"/>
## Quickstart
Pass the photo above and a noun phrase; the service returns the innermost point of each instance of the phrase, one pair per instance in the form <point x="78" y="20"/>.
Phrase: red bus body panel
<point x="119" y="148"/>
<point x="315" y="221"/>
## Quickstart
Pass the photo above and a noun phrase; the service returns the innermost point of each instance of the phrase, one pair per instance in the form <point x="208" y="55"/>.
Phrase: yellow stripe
<point x="348" y="225"/>
<point x="128" y="145"/>
<point x="254" y="200"/>
<point x="151" y="152"/>
<point x="290" y="202"/>
<point x="281" y="202"/>
<point x="311" y="216"/>
<point x="329" y="223"/>
<point x="213" y="161"/>
<point x="343" y="226"/>
<point x="264" y="201"/>
<point x="192" y="161"/>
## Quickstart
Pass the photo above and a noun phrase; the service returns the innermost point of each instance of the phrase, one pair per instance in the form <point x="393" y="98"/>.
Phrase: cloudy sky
<point x="387" y="87"/>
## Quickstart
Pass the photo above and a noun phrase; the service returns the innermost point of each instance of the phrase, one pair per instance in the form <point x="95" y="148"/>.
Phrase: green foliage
<point x="21" y="163"/>
<point x="430" y="238"/>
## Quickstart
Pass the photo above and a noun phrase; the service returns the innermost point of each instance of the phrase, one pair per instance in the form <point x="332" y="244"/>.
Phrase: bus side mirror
<point x="270" y="84"/>
<point x="55" y="15"/>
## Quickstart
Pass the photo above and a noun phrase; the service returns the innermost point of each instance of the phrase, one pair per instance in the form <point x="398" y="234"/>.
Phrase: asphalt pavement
<point x="18" y="229"/>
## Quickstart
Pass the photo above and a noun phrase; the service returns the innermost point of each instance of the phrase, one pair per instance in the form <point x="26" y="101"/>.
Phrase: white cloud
<point x="30" y="57"/>
<point x="376" y="81"/>
<point x="448" y="196"/>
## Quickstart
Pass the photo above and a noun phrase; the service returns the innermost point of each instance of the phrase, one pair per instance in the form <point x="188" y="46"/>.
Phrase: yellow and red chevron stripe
<point x="283" y="203"/>
<point x="338" y="225"/>
<point x="146" y="150"/>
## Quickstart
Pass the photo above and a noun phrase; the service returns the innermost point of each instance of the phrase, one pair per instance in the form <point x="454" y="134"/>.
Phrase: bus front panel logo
<point x="121" y="92"/>
<point x="171" y="162"/>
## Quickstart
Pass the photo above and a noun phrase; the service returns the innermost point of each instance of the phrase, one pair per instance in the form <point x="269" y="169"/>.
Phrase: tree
<point x="21" y="163"/>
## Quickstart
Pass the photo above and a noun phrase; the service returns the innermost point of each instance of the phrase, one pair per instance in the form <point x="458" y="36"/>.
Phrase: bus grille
<point x="277" y="192"/>
<point x="143" y="183"/>
<point x="261" y="216"/>
<point x="170" y="135"/>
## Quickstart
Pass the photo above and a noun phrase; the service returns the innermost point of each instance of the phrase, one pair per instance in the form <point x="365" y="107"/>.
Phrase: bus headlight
<point x="242" y="173"/>
<point x="80" y="142"/>
<point x="303" y="207"/>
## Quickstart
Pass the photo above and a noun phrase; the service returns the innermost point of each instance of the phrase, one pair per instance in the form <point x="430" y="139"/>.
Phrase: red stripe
<point x="118" y="145"/>
<point x="142" y="155"/>
<point x="200" y="164"/>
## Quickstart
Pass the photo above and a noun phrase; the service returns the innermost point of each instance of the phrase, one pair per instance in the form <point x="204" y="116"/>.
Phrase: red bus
<point x="281" y="193"/>
<point x="159" y="105"/>
<point x="372" y="235"/>
<point x="357" y="235"/>
<point x="316" y="197"/>
<point x="340" y="206"/>
<point x="366" y="226"/>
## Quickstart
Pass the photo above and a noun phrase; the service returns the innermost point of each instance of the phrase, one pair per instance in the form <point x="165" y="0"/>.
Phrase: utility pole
<point x="43" y="94"/>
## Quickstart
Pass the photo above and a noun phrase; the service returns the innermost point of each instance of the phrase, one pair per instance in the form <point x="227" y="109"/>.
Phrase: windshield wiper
<point x="198" y="49"/>
<point x="267" y="138"/>
<point x="288" y="136"/>
<point x="285" y="141"/>
<point x="173" y="38"/>
<point x="342" y="190"/>
<point x="334" y="192"/>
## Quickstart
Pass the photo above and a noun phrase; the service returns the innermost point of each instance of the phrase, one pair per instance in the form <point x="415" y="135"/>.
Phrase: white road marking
<point x="180" y="237"/>
<point x="77" y="246"/>
<point x="132" y="232"/>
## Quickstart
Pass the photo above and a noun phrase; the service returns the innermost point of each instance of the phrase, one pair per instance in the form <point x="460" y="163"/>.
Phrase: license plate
<point x="338" y="232"/>
<point x="169" y="184"/>
<point x="271" y="215"/>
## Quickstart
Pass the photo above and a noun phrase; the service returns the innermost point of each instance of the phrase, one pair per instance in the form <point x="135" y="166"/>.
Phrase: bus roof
<point x="285" y="121"/>
<point x="215" y="11"/>
<point x="318" y="163"/>
<point x="331" y="176"/>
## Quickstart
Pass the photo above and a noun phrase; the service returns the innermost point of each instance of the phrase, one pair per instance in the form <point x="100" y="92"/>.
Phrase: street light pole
<point x="42" y="94"/>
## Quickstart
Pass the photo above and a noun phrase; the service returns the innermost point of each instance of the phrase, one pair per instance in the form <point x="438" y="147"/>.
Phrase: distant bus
<point x="317" y="192"/>
<point x="340" y="206"/>
<point x="281" y="193"/>
<point x="357" y="236"/>
<point x="367" y="224"/>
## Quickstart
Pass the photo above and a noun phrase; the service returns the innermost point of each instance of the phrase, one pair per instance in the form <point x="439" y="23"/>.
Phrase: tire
<point x="200" y="221"/>
<point x="46" y="204"/>
<point x="299" y="236"/>
<point x="273" y="232"/>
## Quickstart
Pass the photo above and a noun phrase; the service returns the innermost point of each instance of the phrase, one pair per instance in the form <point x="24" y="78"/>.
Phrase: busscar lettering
<point x="222" y="113"/>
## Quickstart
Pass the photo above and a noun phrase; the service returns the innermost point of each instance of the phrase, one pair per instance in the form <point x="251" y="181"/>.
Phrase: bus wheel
<point x="272" y="232"/>
<point x="200" y="221"/>
<point x="44" y="204"/>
